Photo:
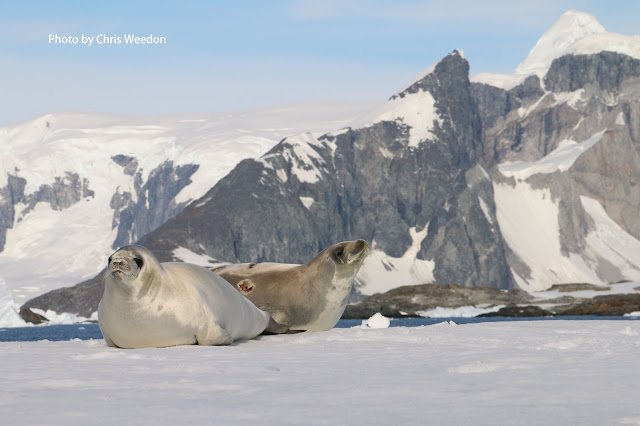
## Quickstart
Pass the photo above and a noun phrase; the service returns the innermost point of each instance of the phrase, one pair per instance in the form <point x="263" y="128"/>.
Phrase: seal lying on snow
<point x="309" y="297"/>
<point x="151" y="304"/>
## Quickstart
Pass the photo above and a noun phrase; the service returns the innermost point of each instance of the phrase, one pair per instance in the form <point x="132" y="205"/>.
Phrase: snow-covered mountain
<point x="527" y="179"/>
<point x="78" y="185"/>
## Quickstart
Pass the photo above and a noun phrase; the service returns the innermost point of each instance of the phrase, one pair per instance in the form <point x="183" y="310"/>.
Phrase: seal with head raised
<point x="151" y="304"/>
<point x="309" y="297"/>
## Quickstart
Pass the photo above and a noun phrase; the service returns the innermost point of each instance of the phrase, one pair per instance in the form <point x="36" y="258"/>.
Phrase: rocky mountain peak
<point x="572" y="26"/>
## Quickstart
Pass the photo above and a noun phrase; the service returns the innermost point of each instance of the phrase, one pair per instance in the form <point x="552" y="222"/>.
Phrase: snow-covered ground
<point x="521" y="373"/>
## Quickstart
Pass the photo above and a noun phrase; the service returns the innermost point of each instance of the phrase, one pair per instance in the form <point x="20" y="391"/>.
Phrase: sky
<point x="244" y="54"/>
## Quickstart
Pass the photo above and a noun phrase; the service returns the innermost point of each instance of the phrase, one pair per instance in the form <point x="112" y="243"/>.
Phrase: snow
<point x="620" y="119"/>
<point x="574" y="33"/>
<point x="610" y="242"/>
<point x="376" y="321"/>
<point x="303" y="158"/>
<point x="557" y="40"/>
<point x="8" y="315"/>
<point x="307" y="201"/>
<point x="81" y="237"/>
<point x="563" y="372"/>
<point x="416" y="110"/>
<point x="381" y="272"/>
<point x="485" y="210"/>
<point x="528" y="220"/>
<point x="560" y="159"/>
<point x="461" y="312"/>
<point x="185" y="255"/>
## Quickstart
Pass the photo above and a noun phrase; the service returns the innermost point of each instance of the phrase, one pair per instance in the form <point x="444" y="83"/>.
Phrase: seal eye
<point x="109" y="261"/>
<point x="138" y="261"/>
<point x="340" y="252"/>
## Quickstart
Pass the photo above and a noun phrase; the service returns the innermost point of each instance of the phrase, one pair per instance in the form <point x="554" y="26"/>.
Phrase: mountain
<point x="522" y="180"/>
<point x="76" y="186"/>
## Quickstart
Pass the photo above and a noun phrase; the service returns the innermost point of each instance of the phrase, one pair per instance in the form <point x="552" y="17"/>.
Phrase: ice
<point x="376" y="321"/>
<point x="8" y="315"/>
<point x="64" y="317"/>
<point x="461" y="312"/>
<point x="534" y="373"/>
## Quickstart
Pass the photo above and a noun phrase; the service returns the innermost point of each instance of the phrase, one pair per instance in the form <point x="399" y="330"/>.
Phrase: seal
<point x="310" y="297"/>
<point x="151" y="304"/>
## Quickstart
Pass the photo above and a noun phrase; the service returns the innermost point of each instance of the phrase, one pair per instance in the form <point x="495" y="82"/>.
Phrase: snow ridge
<point x="577" y="33"/>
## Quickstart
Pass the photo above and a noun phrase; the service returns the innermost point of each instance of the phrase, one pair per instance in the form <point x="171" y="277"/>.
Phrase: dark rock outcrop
<point x="608" y="305"/>
<point x="407" y="301"/>
<point x="81" y="299"/>
<point x="154" y="199"/>
<point x="518" y="312"/>
<point x="568" y="288"/>
<point x="31" y="317"/>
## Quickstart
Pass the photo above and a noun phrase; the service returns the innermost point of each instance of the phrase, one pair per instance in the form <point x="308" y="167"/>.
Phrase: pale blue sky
<point x="243" y="54"/>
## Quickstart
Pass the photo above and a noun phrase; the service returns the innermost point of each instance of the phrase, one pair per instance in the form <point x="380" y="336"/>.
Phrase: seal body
<point x="310" y="297"/>
<point x="149" y="304"/>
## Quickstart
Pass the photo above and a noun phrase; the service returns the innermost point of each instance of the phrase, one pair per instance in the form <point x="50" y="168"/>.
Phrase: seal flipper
<point x="109" y="342"/>
<point x="276" y="328"/>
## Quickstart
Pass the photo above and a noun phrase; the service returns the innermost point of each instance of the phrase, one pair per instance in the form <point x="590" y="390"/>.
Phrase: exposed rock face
<point x="62" y="193"/>
<point x="371" y="183"/>
<point x="409" y="300"/>
<point x="152" y="204"/>
<point x="518" y="312"/>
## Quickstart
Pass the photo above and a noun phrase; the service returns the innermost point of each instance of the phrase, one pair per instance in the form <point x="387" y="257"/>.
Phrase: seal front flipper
<point x="220" y="337"/>
<point x="275" y="328"/>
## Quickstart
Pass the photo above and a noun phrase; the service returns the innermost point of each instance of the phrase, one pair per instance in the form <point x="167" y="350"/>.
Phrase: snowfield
<point x="521" y="373"/>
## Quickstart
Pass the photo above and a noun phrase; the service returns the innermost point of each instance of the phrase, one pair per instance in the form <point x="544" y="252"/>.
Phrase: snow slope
<point x="529" y="223"/>
<point x="576" y="33"/>
<point x="533" y="373"/>
<point x="47" y="249"/>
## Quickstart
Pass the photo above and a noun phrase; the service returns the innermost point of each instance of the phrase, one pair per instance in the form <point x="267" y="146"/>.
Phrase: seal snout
<point x="119" y="264"/>
<point x="359" y="251"/>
